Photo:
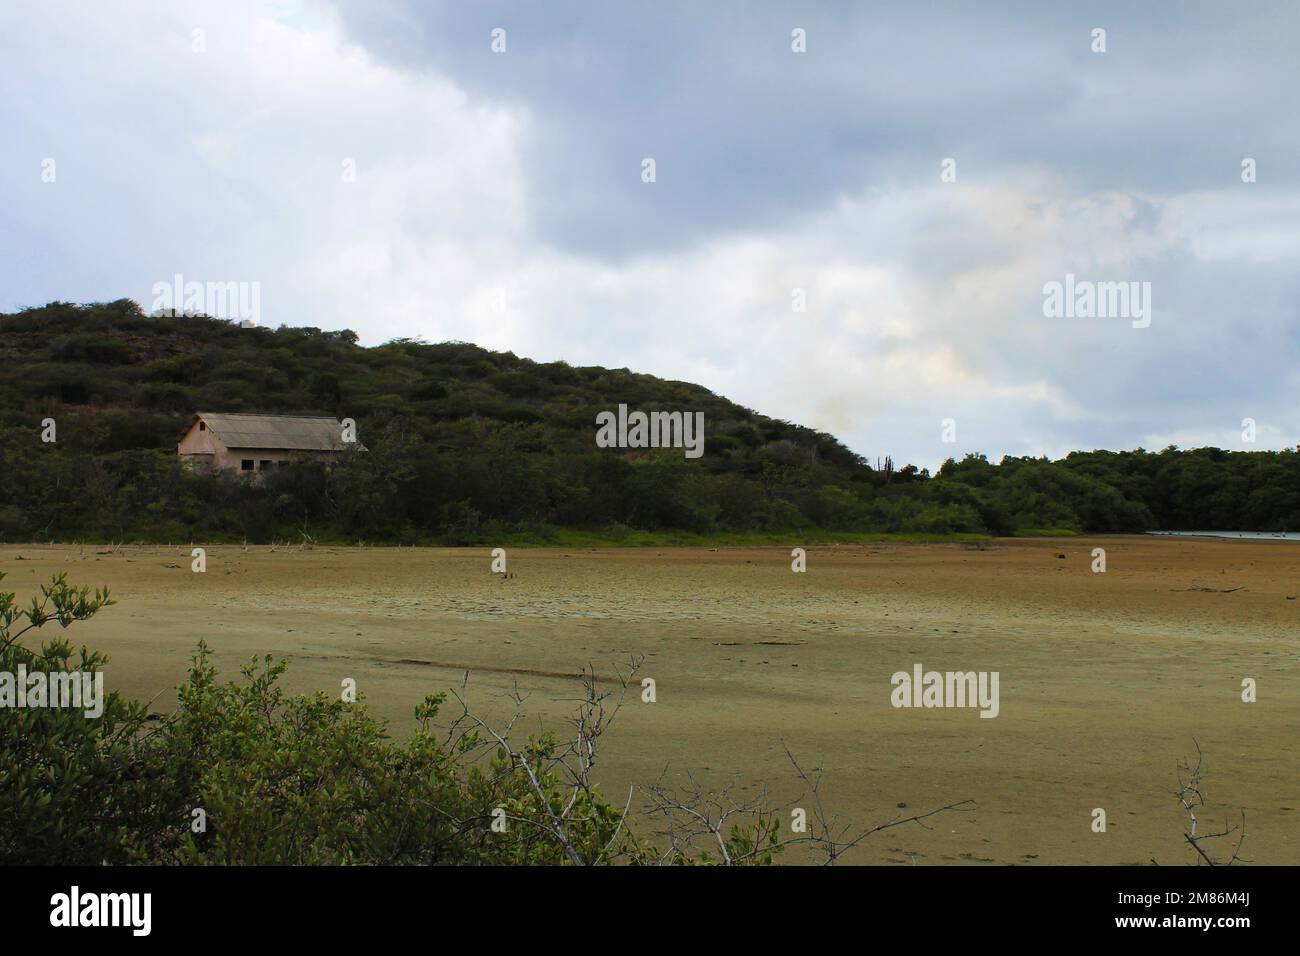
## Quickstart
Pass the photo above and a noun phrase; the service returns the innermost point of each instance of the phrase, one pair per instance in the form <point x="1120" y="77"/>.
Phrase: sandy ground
<point x="1105" y="679"/>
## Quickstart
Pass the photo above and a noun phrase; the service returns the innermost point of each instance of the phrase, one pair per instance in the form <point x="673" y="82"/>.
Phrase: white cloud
<point x="924" y="301"/>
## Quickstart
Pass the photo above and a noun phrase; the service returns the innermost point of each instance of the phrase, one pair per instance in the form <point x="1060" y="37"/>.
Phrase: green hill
<point x="469" y="446"/>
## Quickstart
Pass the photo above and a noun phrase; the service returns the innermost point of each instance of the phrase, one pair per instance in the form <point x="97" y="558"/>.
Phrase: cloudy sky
<point x="376" y="165"/>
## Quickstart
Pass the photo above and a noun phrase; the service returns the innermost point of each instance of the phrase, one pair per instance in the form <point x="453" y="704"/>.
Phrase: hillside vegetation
<point x="472" y="446"/>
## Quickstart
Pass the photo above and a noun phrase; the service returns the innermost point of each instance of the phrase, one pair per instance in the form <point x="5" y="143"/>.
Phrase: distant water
<point x="1267" y="535"/>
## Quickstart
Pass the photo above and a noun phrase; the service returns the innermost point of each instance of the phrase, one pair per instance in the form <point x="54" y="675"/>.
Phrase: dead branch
<point x="1190" y="797"/>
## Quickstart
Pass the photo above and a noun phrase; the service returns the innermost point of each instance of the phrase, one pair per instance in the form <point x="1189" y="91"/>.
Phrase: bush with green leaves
<point x="274" y="778"/>
<point x="311" y="779"/>
<point x="73" y="789"/>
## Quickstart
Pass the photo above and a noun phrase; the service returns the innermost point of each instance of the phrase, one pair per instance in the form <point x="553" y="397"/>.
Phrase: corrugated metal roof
<point x="291" y="432"/>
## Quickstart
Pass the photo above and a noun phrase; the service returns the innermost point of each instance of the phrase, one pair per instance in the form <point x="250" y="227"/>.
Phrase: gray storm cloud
<point x="498" y="197"/>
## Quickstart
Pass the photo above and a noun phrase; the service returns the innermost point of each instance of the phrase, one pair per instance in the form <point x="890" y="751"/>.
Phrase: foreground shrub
<point x="73" y="789"/>
<point x="243" y="774"/>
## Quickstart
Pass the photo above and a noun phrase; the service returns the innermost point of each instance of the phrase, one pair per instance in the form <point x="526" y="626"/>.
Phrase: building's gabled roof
<point x="289" y="432"/>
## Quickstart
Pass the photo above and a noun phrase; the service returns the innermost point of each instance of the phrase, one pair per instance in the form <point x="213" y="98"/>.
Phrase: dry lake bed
<point x="1106" y="680"/>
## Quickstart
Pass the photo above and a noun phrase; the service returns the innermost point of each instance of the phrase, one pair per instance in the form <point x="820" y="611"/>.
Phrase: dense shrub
<point x="241" y="773"/>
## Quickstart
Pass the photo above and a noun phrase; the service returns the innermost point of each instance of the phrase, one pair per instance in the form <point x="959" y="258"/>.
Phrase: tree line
<point x="469" y="446"/>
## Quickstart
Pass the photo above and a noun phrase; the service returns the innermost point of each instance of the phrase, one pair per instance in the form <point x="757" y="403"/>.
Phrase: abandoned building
<point x="223" y="441"/>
